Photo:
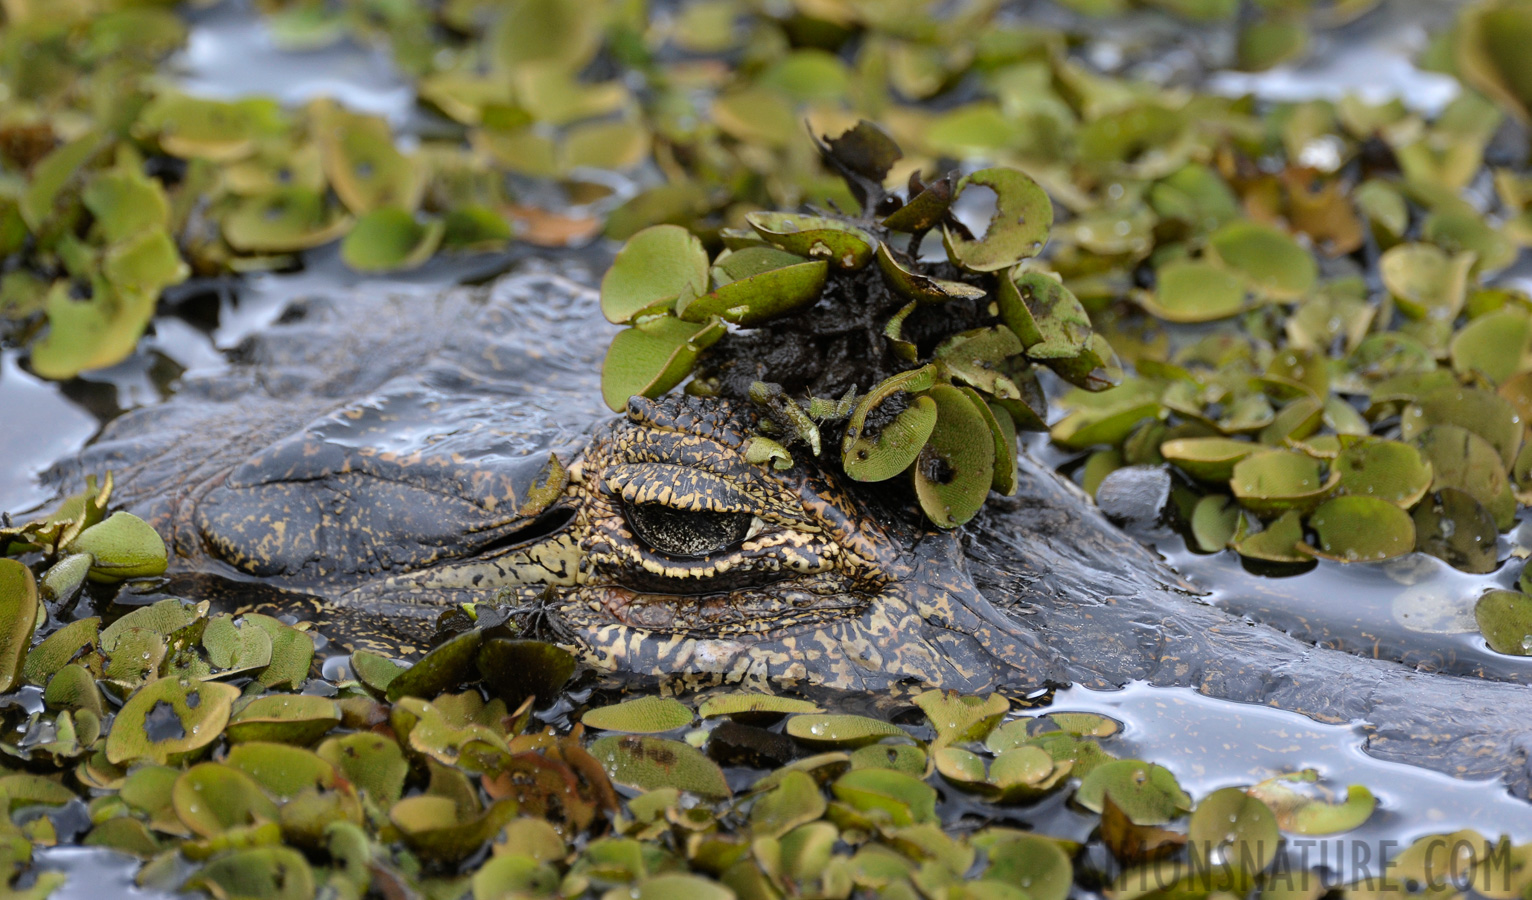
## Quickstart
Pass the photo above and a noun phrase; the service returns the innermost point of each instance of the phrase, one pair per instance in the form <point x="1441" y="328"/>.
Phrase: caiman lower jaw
<point x="746" y="613"/>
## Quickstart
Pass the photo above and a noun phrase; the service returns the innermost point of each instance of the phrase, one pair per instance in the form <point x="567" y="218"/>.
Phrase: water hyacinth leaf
<point x="839" y="243"/>
<point x="435" y="827"/>
<point x="374" y="670"/>
<point x="284" y="221"/>
<point x="1207" y="458"/>
<point x="796" y="800"/>
<point x="1486" y="414"/>
<point x="648" y="763"/>
<point x="925" y="210"/>
<point x="957" y="718"/>
<point x="1304" y="811"/>
<point x="979" y="358"/>
<point x="1147" y="793"/>
<point x="51" y="175"/>
<point x="1273" y="481"/>
<point x="1464" y="460"/>
<point x="389" y="239"/>
<point x="1191" y="291"/>
<point x="448" y="665"/>
<point x="645" y="715"/>
<point x="1388" y="470"/>
<point x="1269" y="260"/>
<point x="757" y="298"/>
<point x="954" y="470"/>
<point x="1454" y="527"/>
<point x="1215" y="519"/>
<point x="211" y="798"/>
<point x="1424" y="281"/>
<point x="655" y="267"/>
<point x="1032" y="862"/>
<point x="652" y="357"/>
<point x="1003" y="429"/>
<point x="123" y="546"/>
<point x="125" y="204"/>
<point x="517" y="669"/>
<point x="1505" y="620"/>
<point x="906" y="758"/>
<point x="361" y="162"/>
<point x="1049" y="320"/>
<point x="1280" y="542"/>
<point x="235" y="645"/>
<point x="214" y="130"/>
<point x="1231" y="829"/>
<point x="1017" y="229"/>
<point x="1270" y="42"/>
<point x="841" y="730"/>
<point x="474" y="229"/>
<point x="281" y="770"/>
<point x="372" y="762"/>
<point x="514" y="875"/>
<point x="732" y="265"/>
<point x="170" y="719"/>
<point x="92" y="333"/>
<point x="1497" y="345"/>
<point x="1464" y="232"/>
<point x="889" y="426"/>
<point x="760" y="451"/>
<point x="1362" y="529"/>
<point x="257" y="873"/>
<point x="57" y="649"/>
<point x="1096" y="368"/>
<point x="147" y="262"/>
<point x="919" y="287"/>
<point x="19" y="617"/>
<point x="754" y="707"/>
<point x="904" y="798"/>
<point x="284" y="718"/>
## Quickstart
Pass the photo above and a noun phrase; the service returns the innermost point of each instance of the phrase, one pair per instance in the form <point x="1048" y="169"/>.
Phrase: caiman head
<point x="659" y="551"/>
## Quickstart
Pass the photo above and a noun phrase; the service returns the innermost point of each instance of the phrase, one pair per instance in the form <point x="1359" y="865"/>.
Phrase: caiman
<point x="384" y="457"/>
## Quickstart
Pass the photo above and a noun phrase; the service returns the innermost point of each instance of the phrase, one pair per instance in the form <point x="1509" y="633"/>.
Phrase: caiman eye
<point x="683" y="532"/>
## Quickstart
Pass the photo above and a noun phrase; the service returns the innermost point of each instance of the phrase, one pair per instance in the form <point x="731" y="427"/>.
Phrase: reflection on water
<point x="1210" y="744"/>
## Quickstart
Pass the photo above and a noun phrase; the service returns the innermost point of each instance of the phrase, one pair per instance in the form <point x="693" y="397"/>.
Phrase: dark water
<point x="1417" y="611"/>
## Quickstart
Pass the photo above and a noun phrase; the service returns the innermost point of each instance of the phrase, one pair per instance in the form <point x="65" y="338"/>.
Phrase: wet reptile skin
<point x="384" y="456"/>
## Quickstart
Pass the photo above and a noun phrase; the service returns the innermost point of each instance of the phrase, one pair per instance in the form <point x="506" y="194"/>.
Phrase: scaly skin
<point x="372" y="460"/>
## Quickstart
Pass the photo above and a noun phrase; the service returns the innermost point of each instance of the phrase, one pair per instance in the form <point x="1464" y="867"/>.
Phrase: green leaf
<point x="653" y="269"/>
<point x="648" y="763"/>
<point x="1049" y="320"/>
<point x="124" y="546"/>
<point x="841" y="730"/>
<point x="1362" y="529"/>
<point x="645" y="715"/>
<point x="840" y="243"/>
<point x="20" y="614"/>
<point x="889" y="426"/>
<point x="1017" y="230"/>
<point x="1269" y="260"/>
<point x="1299" y="808"/>
<point x="652" y="357"/>
<point x="170" y="719"/>
<point x="1231" y="829"/>
<point x="759" y="297"/>
<point x="1190" y="291"/>
<point x="389" y="239"/>
<point x="1149" y="794"/>
<point x="1505" y="619"/>
<point x="955" y="469"/>
<point x="1274" y="481"/>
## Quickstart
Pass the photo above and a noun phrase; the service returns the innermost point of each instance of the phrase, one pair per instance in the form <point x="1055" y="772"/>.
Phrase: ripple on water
<point x="1210" y="744"/>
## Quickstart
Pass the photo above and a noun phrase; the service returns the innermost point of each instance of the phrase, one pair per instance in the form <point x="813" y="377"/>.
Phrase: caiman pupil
<point x="687" y="532"/>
